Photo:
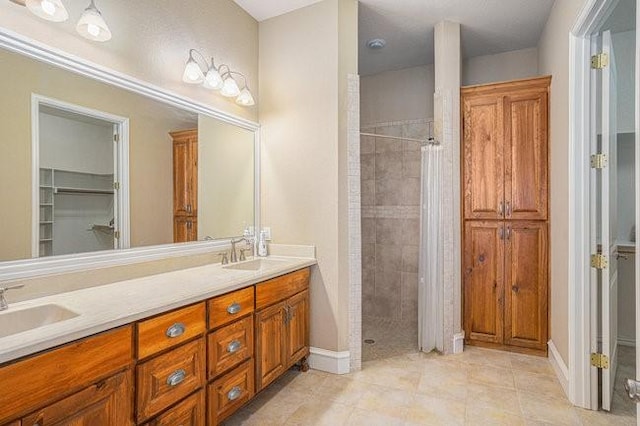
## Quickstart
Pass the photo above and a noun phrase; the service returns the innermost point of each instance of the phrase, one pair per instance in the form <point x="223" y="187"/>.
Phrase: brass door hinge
<point x="599" y="61"/>
<point x="599" y="161"/>
<point x="116" y="185"/>
<point x="116" y="137"/>
<point x="116" y="235"/>
<point x="599" y="261"/>
<point x="599" y="360"/>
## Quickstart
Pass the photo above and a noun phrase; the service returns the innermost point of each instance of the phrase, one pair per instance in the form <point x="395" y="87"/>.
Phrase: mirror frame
<point x="27" y="268"/>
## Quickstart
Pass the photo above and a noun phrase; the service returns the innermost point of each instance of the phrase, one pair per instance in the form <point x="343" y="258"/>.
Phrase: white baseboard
<point x="623" y="341"/>
<point x="559" y="367"/>
<point x="458" y="343"/>
<point x="329" y="361"/>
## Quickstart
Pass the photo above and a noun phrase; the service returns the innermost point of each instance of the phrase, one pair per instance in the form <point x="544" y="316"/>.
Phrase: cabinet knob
<point x="515" y="288"/>
<point x="234" y="346"/>
<point x="234" y="393"/>
<point x="176" y="330"/>
<point x="176" y="377"/>
<point x="234" y="308"/>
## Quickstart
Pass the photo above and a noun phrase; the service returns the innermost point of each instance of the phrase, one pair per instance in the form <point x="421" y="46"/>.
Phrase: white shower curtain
<point x="431" y="251"/>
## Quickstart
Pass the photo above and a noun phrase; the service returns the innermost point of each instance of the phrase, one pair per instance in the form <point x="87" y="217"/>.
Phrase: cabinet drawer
<point x="230" y="345"/>
<point x="171" y="329"/>
<point x="43" y="379"/>
<point x="170" y="377"/>
<point x="280" y="288"/>
<point x="229" y="307"/>
<point x="230" y="392"/>
<point x="190" y="412"/>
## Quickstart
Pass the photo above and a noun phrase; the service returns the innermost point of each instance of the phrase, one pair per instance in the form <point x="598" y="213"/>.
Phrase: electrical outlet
<point x="267" y="233"/>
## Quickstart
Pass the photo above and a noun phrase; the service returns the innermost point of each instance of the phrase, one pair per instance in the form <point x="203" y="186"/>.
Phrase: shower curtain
<point x="430" y="270"/>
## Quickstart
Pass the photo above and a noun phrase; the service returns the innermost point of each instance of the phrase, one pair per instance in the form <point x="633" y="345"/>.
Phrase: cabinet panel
<point x="526" y="285"/>
<point x="230" y="345"/>
<point x="270" y="344"/>
<point x="483" y="281"/>
<point x="281" y="288"/>
<point x="483" y="147"/>
<point x="170" y="329"/>
<point x="297" y="327"/>
<point x="185" y="175"/>
<point x="185" y="229"/>
<point x="190" y="412"/>
<point x="107" y="403"/>
<point x="229" y="307"/>
<point x="38" y="381"/>
<point x="526" y="168"/>
<point x="230" y="392"/>
<point x="170" y="377"/>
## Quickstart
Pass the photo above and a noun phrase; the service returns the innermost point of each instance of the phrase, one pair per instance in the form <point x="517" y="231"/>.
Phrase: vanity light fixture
<point x="51" y="10"/>
<point x="92" y="25"/>
<point x="216" y="78"/>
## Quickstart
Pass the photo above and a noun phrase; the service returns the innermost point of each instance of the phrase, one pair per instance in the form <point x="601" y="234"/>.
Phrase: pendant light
<point x="92" y="25"/>
<point x="230" y="87"/>
<point x="245" y="98"/>
<point x="192" y="71"/>
<point x="213" y="79"/>
<point x="51" y="10"/>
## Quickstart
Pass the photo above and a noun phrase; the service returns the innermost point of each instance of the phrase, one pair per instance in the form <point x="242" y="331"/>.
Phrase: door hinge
<point x="599" y="261"/>
<point x="116" y="235"/>
<point x="599" y="360"/>
<point x="599" y="161"/>
<point x="599" y="61"/>
<point x="116" y="185"/>
<point x="116" y="137"/>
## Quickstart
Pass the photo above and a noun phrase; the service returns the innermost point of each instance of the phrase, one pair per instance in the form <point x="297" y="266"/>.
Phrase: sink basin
<point x="254" y="265"/>
<point x="19" y="320"/>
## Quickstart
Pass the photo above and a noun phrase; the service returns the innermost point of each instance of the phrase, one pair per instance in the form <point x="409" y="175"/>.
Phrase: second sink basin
<point x="254" y="265"/>
<point x="19" y="320"/>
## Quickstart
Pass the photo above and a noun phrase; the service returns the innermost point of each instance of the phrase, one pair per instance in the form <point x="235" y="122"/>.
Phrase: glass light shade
<point x="213" y="80"/>
<point x="192" y="73"/>
<point x="245" y="98"/>
<point x="92" y="25"/>
<point x="230" y="88"/>
<point x="51" y="10"/>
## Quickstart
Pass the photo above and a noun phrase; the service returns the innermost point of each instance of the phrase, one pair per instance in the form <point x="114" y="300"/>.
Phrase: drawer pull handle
<point x="234" y="346"/>
<point x="234" y="393"/>
<point x="176" y="330"/>
<point x="176" y="377"/>
<point x="234" y="308"/>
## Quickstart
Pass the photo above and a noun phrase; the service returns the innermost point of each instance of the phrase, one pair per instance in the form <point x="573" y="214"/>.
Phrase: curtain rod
<point x="430" y="141"/>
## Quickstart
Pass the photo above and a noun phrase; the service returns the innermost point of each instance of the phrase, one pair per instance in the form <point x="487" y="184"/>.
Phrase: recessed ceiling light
<point x="376" y="43"/>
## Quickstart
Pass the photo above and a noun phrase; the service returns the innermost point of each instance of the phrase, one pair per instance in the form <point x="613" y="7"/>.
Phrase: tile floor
<point x="391" y="338"/>
<point x="477" y="387"/>
<point x="621" y="405"/>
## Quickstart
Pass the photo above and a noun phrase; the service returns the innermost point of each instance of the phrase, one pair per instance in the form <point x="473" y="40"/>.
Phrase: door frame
<point x="121" y="162"/>
<point x="582" y="327"/>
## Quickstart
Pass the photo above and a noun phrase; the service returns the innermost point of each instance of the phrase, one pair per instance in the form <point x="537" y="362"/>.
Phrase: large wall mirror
<point x="87" y="167"/>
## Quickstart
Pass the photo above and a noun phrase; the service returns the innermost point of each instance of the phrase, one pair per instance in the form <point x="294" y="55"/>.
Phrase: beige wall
<point x="500" y="67"/>
<point x="405" y="94"/>
<point x="150" y="149"/>
<point x="553" y="59"/>
<point x="151" y="39"/>
<point x="302" y="80"/>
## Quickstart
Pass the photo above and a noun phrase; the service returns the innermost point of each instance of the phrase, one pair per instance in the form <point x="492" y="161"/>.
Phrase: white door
<point x="609" y="223"/>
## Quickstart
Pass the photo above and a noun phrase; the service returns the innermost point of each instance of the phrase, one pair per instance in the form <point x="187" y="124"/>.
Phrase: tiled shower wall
<point x="390" y="197"/>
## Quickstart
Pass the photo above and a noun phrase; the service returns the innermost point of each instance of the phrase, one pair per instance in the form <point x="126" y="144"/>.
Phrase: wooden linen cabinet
<point x="505" y="214"/>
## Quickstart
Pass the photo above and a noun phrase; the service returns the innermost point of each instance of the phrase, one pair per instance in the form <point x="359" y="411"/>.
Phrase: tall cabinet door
<point x="270" y="344"/>
<point x="483" y="148"/>
<point x="298" y="327"/>
<point x="185" y="173"/>
<point x="483" y="281"/>
<point x="525" y="155"/>
<point x="526" y="284"/>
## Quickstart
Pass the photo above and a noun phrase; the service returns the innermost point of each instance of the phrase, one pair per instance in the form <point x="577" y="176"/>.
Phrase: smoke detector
<point x="376" y="43"/>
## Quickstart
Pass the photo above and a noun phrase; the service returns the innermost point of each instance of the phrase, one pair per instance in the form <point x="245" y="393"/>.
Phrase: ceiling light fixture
<point x="92" y="25"/>
<point x="376" y="43"/>
<point x="216" y="78"/>
<point x="50" y="10"/>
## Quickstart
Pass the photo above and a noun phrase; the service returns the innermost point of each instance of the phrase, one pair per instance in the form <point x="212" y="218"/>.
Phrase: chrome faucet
<point x="234" y="255"/>
<point x="3" y="301"/>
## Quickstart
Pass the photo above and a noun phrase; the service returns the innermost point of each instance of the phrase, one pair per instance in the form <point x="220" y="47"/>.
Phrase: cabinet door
<point x="185" y="228"/>
<point x="297" y="327"/>
<point x="106" y="403"/>
<point x="526" y="155"/>
<point x="483" y="143"/>
<point x="185" y="176"/>
<point x="483" y="281"/>
<point x="189" y="412"/>
<point x="526" y="285"/>
<point x="271" y="356"/>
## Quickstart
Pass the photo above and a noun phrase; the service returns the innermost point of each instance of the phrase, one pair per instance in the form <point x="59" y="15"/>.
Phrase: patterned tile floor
<point x="392" y="338"/>
<point x="477" y="387"/>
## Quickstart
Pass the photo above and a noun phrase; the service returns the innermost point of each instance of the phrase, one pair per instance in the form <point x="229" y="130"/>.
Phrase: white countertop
<point x="108" y="306"/>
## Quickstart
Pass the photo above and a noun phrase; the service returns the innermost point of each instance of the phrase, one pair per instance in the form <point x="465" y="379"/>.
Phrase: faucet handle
<point x="242" y="255"/>
<point x="225" y="257"/>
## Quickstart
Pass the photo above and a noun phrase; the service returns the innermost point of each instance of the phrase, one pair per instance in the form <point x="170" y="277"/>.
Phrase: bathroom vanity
<point x="190" y="353"/>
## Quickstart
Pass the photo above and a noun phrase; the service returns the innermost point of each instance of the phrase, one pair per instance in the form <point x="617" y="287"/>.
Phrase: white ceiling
<point x="265" y="9"/>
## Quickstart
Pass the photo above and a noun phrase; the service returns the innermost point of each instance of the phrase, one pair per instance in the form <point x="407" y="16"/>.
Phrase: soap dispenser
<point x="262" y="244"/>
